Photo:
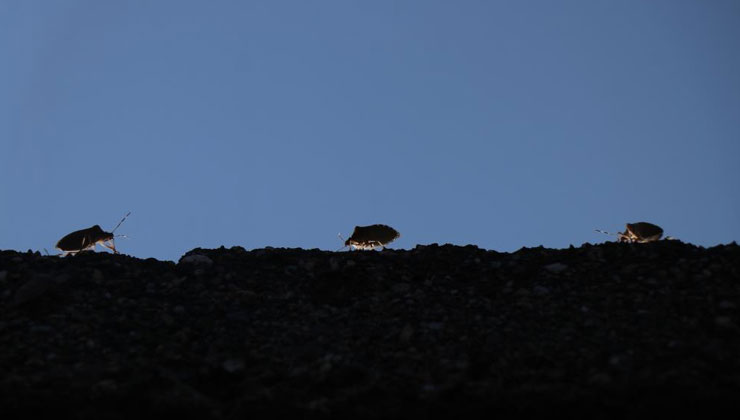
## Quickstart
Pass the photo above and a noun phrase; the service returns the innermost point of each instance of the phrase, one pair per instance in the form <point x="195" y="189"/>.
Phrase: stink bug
<point x="85" y="239"/>
<point x="369" y="237"/>
<point x="638" y="232"/>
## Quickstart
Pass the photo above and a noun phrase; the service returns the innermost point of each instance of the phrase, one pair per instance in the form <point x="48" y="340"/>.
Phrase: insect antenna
<point x="605" y="232"/>
<point x="342" y="238"/>
<point x="119" y="223"/>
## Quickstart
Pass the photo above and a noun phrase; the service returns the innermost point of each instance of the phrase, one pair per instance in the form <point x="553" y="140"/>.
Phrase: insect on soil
<point x="370" y="237"/>
<point x="639" y="232"/>
<point x="86" y="239"/>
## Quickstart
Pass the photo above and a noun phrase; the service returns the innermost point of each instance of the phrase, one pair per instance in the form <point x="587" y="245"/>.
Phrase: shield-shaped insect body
<point x="638" y="232"/>
<point x="85" y="239"/>
<point x="641" y="232"/>
<point x="370" y="237"/>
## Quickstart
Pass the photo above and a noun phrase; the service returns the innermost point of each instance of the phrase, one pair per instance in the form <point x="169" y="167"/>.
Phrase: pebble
<point x="106" y="386"/>
<point x="726" y="304"/>
<point x="31" y="290"/>
<point x="40" y="328"/>
<point x="233" y="365"/>
<point x="600" y="379"/>
<point x="196" y="259"/>
<point x="400" y="287"/>
<point x="406" y="333"/>
<point x="556" y="268"/>
<point x="724" y="322"/>
<point x="541" y="291"/>
<point x="435" y="325"/>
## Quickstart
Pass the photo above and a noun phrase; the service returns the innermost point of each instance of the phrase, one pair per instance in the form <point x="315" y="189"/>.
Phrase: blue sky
<point x="282" y="123"/>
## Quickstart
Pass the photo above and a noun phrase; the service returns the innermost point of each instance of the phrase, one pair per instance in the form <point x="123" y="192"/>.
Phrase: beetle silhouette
<point x="370" y="237"/>
<point x="640" y="232"/>
<point x="85" y="239"/>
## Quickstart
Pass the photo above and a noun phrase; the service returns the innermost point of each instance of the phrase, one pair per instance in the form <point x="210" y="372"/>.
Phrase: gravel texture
<point x="605" y="331"/>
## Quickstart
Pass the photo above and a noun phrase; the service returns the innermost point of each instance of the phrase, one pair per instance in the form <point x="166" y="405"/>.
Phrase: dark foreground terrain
<point x="604" y="331"/>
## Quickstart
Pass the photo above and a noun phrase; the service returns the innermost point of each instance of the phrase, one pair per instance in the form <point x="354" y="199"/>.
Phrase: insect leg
<point x="112" y="246"/>
<point x="83" y="245"/>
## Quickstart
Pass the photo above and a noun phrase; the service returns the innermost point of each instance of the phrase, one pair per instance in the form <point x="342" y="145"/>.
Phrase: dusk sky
<point x="282" y="123"/>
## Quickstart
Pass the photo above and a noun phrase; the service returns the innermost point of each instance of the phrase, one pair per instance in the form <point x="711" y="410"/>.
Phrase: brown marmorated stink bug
<point x="370" y="237"/>
<point x="85" y="239"/>
<point x="638" y="232"/>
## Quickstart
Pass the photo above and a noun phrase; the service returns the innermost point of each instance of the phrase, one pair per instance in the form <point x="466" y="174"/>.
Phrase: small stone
<point x="40" y="328"/>
<point x="167" y="319"/>
<point x="31" y="290"/>
<point x="298" y="371"/>
<point x="541" y="291"/>
<point x="556" y="268"/>
<point x="400" y="287"/>
<point x="724" y="322"/>
<point x="106" y="386"/>
<point x="325" y="367"/>
<point x="406" y="333"/>
<point x="427" y="387"/>
<point x="307" y="265"/>
<point x="600" y="379"/>
<point x="233" y="365"/>
<point x="196" y="259"/>
<point x="435" y="325"/>
<point x="726" y="304"/>
<point x="318" y="404"/>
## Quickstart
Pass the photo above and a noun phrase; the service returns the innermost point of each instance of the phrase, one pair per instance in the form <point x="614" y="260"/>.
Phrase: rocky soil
<point x="608" y="331"/>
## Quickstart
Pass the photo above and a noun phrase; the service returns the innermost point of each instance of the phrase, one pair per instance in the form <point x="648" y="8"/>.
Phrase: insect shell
<point x="369" y="237"/>
<point x="84" y="239"/>
<point x="640" y="232"/>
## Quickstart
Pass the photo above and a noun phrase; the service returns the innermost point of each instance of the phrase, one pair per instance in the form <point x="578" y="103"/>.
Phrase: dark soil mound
<point x="611" y="330"/>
